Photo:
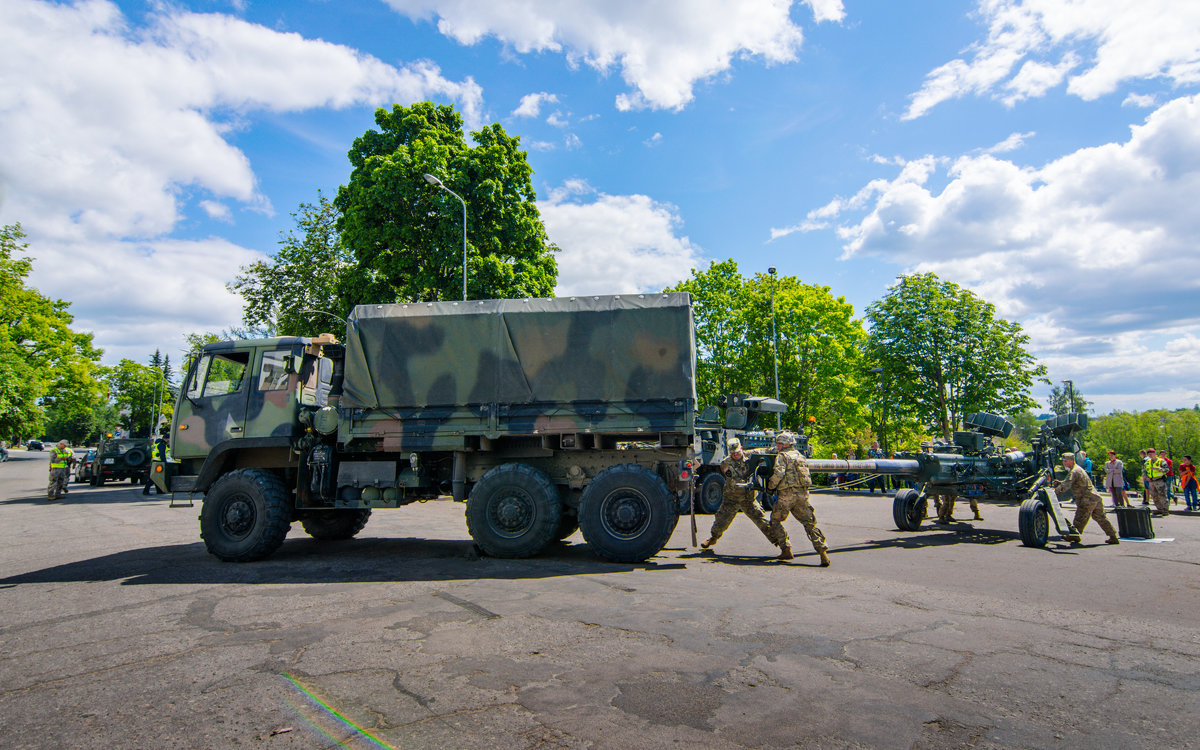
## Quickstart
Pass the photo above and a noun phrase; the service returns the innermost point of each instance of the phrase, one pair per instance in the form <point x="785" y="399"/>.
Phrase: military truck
<point x="742" y="416"/>
<point x="543" y="415"/>
<point x="121" y="458"/>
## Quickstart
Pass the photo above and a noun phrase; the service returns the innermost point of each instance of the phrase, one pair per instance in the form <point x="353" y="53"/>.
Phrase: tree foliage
<point x="946" y="354"/>
<point x="43" y="362"/>
<point x="304" y="276"/>
<point x="406" y="235"/>
<point x="1129" y="432"/>
<point x="1066" y="401"/>
<point x="140" y="394"/>
<point x="818" y="347"/>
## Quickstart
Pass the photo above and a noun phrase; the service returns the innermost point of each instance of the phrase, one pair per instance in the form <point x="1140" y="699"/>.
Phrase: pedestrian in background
<point x="1114" y="479"/>
<point x="1170" y="479"/>
<point x="1188" y="483"/>
<point x="875" y="453"/>
<point x="1156" y="482"/>
<point x="61" y="458"/>
<point x="1145" y="479"/>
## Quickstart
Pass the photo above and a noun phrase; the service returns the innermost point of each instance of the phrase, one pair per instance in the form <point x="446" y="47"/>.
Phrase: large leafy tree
<point x="297" y="292"/>
<point x="141" y="395"/>
<point x="818" y="348"/>
<point x="43" y="362"/>
<point x="406" y="235"/>
<point x="946" y="354"/>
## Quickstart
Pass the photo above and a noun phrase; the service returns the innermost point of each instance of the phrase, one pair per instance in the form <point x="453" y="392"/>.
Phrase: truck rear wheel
<point x="908" y="510"/>
<point x="245" y="515"/>
<point x="514" y="511"/>
<point x="627" y="514"/>
<point x="709" y="497"/>
<point x="1033" y="521"/>
<point x="334" y="525"/>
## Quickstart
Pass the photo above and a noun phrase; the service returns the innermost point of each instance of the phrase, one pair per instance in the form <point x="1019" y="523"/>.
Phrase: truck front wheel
<point x="334" y="525"/>
<point x="245" y="515"/>
<point x="627" y="514"/>
<point x="513" y="511"/>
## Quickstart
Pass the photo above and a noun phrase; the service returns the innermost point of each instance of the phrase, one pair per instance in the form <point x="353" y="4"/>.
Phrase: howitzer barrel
<point x="869" y="466"/>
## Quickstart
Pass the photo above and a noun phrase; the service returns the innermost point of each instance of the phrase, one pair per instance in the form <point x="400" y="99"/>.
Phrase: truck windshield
<point x="218" y="374"/>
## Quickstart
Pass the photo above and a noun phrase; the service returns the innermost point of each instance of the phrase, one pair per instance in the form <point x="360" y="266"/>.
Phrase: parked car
<point x="84" y="466"/>
<point x="123" y="458"/>
<point x="34" y="445"/>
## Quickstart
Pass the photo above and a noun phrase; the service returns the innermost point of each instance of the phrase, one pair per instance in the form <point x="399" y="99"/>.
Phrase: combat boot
<point x="1112" y="540"/>
<point x="824" y="558"/>
<point x="978" y="517"/>
<point x="708" y="543"/>
<point x="785" y="553"/>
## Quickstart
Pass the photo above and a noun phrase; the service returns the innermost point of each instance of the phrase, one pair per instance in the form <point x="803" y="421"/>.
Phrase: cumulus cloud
<point x="1095" y="45"/>
<point x="662" y="48"/>
<point x="531" y="104"/>
<point x="108" y="129"/>
<point x="1011" y="143"/>
<point x="615" y="244"/>
<point x="1086" y="249"/>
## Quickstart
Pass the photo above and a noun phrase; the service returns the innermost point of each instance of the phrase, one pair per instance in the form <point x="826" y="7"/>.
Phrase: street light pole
<point x="438" y="184"/>
<point x="883" y="407"/>
<point x="1070" y="395"/>
<point x="774" y="349"/>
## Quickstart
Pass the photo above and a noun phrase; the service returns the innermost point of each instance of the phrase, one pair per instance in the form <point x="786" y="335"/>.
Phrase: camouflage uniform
<point x="1156" y="483"/>
<point x="735" y="497"/>
<point x="791" y="480"/>
<point x="60" y="465"/>
<point x="1088" y="505"/>
<point x="944" y="502"/>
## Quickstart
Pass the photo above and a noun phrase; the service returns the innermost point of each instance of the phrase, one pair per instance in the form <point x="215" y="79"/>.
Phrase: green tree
<point x="304" y="276"/>
<point x="406" y="235"/>
<point x="43" y="362"/>
<point x="1066" y="401"/>
<point x="137" y="391"/>
<point x="818" y="348"/>
<point x="947" y="354"/>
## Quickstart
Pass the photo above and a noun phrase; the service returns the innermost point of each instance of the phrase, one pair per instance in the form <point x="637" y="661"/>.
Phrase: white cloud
<point x="556" y="120"/>
<point x="1011" y="143"/>
<point x="615" y="244"/>
<point x="1113" y="41"/>
<point x="1087" y="250"/>
<point x="109" y="129"/>
<point x="654" y="140"/>
<point x="531" y="104"/>
<point x="662" y="48"/>
<point x="1140" y="100"/>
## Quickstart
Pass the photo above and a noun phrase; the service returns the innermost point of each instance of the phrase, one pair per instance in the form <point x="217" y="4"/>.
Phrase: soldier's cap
<point x="1068" y="456"/>
<point x="785" y="438"/>
<point x="63" y="443"/>
<point x="734" y="445"/>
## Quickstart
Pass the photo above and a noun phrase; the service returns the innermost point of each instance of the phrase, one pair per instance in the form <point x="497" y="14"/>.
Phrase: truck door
<point x="213" y="404"/>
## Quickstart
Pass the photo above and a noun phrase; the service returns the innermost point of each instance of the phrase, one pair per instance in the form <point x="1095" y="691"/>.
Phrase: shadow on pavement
<point x="959" y="533"/>
<point x="85" y="494"/>
<point x="308" y="561"/>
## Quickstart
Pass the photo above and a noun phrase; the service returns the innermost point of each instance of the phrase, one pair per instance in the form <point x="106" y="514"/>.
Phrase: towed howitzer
<point x="970" y="465"/>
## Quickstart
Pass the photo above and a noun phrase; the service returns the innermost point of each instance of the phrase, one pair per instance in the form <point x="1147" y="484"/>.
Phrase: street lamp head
<point x="771" y="270"/>
<point x="433" y="180"/>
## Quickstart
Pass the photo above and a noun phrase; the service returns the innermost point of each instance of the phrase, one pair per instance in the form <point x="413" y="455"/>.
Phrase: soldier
<point x="791" y="480"/>
<point x="737" y="495"/>
<point x="944" y="502"/>
<point x="1155" y="470"/>
<point x="61" y="459"/>
<point x="158" y="452"/>
<point x="1088" y="504"/>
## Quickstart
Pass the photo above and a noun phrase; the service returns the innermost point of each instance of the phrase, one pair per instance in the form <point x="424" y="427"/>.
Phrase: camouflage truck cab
<point x="543" y="415"/>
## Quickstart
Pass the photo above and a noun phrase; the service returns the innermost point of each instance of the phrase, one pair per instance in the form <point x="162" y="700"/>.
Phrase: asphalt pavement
<point x="118" y="630"/>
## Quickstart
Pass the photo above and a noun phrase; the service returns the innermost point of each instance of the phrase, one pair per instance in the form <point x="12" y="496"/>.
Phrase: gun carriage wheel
<point x="908" y="509"/>
<point x="708" y="499"/>
<point x="1033" y="520"/>
<point x="514" y="511"/>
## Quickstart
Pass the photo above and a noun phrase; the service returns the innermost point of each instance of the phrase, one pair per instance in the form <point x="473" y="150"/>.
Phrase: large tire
<point x="908" y="510"/>
<point x="514" y="511"/>
<point x="1033" y="520"/>
<point x="334" y="525"/>
<point x="627" y="513"/>
<point x="708" y="499"/>
<point x="245" y="515"/>
<point x="98" y="480"/>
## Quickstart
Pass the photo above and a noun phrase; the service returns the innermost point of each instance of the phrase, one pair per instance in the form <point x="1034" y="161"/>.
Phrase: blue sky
<point x="1045" y="153"/>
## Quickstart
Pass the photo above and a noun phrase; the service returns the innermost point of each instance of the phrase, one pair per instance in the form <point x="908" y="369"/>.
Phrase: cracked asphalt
<point x="118" y="630"/>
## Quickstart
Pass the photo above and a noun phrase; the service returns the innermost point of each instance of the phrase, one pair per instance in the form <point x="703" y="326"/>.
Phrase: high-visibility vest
<point x="1156" y="468"/>
<point x="60" y="458"/>
<point x="160" y="452"/>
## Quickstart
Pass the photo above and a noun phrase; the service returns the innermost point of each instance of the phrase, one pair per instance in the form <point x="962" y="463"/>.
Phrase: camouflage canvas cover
<point x="626" y="348"/>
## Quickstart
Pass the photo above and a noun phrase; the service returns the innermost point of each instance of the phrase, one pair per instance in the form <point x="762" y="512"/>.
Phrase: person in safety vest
<point x="1156" y="482"/>
<point x="160" y="452"/>
<point x="61" y="458"/>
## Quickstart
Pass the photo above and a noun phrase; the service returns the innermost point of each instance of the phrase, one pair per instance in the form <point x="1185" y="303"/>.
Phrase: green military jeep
<point x="122" y="458"/>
